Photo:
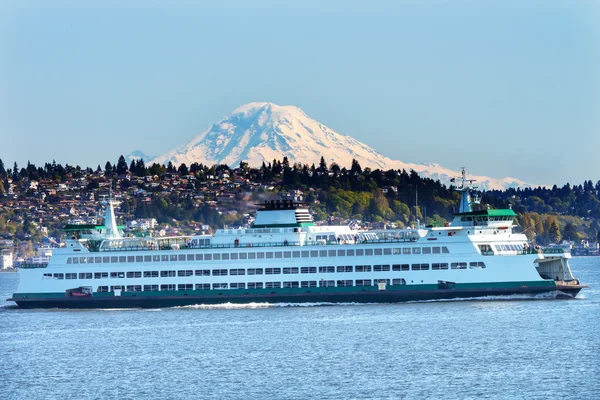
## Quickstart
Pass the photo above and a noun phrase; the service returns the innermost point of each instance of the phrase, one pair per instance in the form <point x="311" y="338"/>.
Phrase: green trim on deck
<point x="488" y="213"/>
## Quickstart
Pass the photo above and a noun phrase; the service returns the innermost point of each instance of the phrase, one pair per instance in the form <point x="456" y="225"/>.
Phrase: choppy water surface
<point x="511" y="348"/>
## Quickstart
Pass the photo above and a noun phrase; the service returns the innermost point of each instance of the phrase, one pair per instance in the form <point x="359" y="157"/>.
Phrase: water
<point x="515" y="348"/>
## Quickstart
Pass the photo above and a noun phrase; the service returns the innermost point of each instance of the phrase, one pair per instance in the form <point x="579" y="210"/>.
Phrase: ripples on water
<point x="482" y="348"/>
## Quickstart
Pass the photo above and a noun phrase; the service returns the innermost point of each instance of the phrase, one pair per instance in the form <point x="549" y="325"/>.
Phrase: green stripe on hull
<point x="367" y="294"/>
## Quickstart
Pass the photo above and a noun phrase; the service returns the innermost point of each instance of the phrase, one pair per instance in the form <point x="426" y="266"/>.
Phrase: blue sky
<point x="506" y="88"/>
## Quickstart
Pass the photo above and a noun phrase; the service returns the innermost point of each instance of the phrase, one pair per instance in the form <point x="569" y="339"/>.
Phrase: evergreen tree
<point x="554" y="233"/>
<point x="2" y="170"/>
<point x="15" y="172"/>
<point x="355" y="169"/>
<point x="323" y="166"/>
<point x="108" y="169"/>
<point x="121" y="165"/>
<point x="183" y="169"/>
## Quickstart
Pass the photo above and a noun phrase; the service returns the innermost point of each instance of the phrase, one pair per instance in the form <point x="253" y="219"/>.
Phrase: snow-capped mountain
<point x="258" y="132"/>
<point x="136" y="155"/>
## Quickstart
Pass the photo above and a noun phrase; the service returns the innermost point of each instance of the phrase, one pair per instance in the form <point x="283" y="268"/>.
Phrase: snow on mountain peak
<point x="262" y="131"/>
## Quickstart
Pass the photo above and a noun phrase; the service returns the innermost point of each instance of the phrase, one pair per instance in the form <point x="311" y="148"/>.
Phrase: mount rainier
<point x="260" y="132"/>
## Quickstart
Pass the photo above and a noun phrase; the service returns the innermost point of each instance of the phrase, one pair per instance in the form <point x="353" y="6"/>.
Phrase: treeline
<point x="545" y="214"/>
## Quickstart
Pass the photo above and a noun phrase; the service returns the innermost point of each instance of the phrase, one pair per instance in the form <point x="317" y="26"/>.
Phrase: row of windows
<point x="267" y="271"/>
<point x="256" y="255"/>
<point x="253" y="285"/>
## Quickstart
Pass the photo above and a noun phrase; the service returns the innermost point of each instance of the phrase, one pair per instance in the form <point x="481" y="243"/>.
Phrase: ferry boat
<point x="285" y="258"/>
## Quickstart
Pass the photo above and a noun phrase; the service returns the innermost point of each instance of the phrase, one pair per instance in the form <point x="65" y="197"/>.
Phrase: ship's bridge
<point x="498" y="219"/>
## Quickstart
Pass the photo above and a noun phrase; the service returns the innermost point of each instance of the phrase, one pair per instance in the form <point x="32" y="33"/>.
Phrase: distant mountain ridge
<point x="261" y="131"/>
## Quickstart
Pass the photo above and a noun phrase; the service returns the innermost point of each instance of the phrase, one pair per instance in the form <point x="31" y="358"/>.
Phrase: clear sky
<point x="506" y="88"/>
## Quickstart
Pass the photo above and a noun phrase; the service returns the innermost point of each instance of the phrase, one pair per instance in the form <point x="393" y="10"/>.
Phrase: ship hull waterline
<point x="371" y="296"/>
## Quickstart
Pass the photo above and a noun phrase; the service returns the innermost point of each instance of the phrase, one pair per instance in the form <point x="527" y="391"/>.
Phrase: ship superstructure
<point x="285" y="257"/>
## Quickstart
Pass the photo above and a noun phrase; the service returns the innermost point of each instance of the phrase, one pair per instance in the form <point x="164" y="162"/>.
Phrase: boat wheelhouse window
<point x="308" y="270"/>
<point x="216" y="256"/>
<point x="278" y="254"/>
<point x="344" y="268"/>
<point x="331" y="238"/>
<point x="290" y="270"/>
<point x="381" y="268"/>
<point x="242" y="256"/>
<point x="400" y="281"/>
<point x="167" y="274"/>
<point x="426" y="250"/>
<point x="324" y="283"/>
<point x="224" y="256"/>
<point x="308" y="284"/>
<point x="207" y="257"/>
<point x="305" y="254"/>
<point x="322" y="253"/>
<point x="122" y="259"/>
<point x="102" y="289"/>
<point x="90" y="260"/>
<point x="332" y="253"/>
<point x="273" y="285"/>
<point x="296" y="254"/>
<point x="341" y="253"/>
<point x="416" y="250"/>
<point x="190" y="257"/>
<point x="100" y="275"/>
<point x="75" y="260"/>
<point x="69" y="260"/>
<point x="387" y="252"/>
<point x="368" y="252"/>
<point x="156" y="258"/>
<point x="105" y="259"/>
<point x="181" y="257"/>
<point x="239" y="271"/>
<point x="363" y="282"/>
<point x="173" y="257"/>
<point x="202" y="286"/>
<point x="378" y="252"/>
<point x="435" y="250"/>
<point x="350" y="252"/>
<point x="272" y="271"/>
<point x="187" y="272"/>
<point x="147" y="258"/>
<point x="291" y="284"/>
<point x="134" y="288"/>
<point x="260" y="255"/>
<point x="438" y="266"/>
<point x="199" y="257"/>
<point x="255" y="285"/>
<point x="82" y="260"/>
<point x="327" y="269"/>
<point x="169" y="286"/>
<point x="406" y="250"/>
<point x="219" y="272"/>
<point x="314" y="253"/>
<point x="255" y="271"/>
<point x="139" y="258"/>
<point x="237" y="285"/>
<point x="360" y="252"/>
<point x="69" y="275"/>
<point x="134" y="274"/>
<point x="84" y="275"/>
<point x="445" y="250"/>
<point x="148" y="274"/>
<point x="269" y="254"/>
<point x="185" y="286"/>
<point x="458" y="265"/>
<point x="363" y="268"/>
<point x="202" y="272"/>
<point x="251" y="256"/>
<point x="150" y="288"/>
<point x="342" y="283"/>
<point x="130" y="259"/>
